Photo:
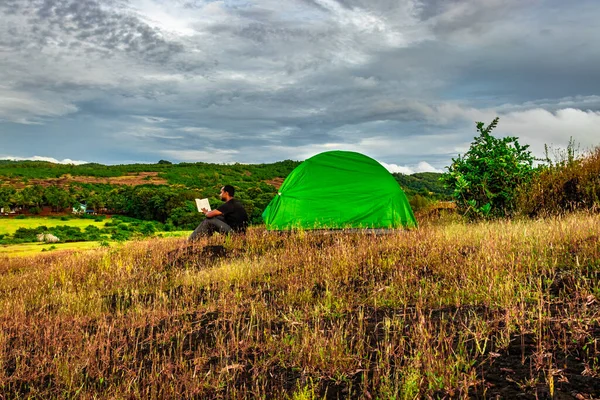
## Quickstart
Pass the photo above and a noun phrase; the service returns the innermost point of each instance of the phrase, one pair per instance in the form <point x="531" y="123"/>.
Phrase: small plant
<point x="49" y="248"/>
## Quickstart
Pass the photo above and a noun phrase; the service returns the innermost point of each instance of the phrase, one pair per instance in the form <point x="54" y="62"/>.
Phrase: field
<point x="10" y="225"/>
<point x="489" y="310"/>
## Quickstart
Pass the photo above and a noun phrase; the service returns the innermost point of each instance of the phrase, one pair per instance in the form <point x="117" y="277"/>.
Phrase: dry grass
<point x="425" y="313"/>
<point x="565" y="186"/>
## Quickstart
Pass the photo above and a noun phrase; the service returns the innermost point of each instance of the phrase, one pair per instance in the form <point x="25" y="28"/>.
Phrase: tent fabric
<point x="336" y="190"/>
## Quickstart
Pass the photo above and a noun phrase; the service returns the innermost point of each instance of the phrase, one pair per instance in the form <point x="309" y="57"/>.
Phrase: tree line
<point x="170" y="205"/>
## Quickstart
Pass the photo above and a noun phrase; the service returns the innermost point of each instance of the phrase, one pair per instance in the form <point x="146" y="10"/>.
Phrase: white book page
<point x="202" y="203"/>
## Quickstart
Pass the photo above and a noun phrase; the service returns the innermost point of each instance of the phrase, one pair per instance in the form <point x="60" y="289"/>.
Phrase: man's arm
<point x="211" y="214"/>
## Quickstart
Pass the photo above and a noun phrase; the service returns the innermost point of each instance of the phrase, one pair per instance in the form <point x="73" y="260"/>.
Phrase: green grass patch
<point x="174" y="234"/>
<point x="8" y="226"/>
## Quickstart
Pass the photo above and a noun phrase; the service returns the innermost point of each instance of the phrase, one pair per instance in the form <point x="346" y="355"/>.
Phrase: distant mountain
<point x="163" y="191"/>
<point x="423" y="183"/>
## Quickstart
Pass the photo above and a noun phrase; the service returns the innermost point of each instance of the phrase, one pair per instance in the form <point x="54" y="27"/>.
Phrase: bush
<point x="28" y="235"/>
<point x="92" y="232"/>
<point x="120" y="236"/>
<point x="485" y="181"/>
<point x="168" y="226"/>
<point x="419" y="202"/>
<point x="68" y="233"/>
<point x="147" y="228"/>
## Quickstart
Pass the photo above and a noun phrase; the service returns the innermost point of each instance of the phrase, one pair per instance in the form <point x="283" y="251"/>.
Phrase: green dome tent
<point x="339" y="189"/>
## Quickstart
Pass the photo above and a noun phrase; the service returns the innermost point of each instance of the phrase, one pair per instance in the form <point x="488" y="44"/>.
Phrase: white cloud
<point x="149" y="132"/>
<point x="535" y="126"/>
<point x="423" y="166"/>
<point x="26" y="108"/>
<point x="538" y="127"/>
<point x="41" y="158"/>
<point x="150" y="119"/>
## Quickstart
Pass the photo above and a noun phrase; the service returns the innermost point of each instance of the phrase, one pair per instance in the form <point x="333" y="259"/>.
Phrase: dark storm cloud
<point x="85" y="22"/>
<point x="260" y="81"/>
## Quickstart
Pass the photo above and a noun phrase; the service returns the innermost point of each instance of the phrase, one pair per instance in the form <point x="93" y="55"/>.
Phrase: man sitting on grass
<point x="229" y="217"/>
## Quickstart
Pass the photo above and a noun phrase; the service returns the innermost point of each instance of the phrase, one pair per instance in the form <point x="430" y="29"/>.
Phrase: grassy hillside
<point x="480" y="310"/>
<point x="192" y="175"/>
<point x="423" y="183"/>
<point x="162" y="192"/>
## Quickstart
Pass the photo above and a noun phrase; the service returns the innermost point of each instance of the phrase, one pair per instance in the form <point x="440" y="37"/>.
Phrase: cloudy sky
<point x="252" y="81"/>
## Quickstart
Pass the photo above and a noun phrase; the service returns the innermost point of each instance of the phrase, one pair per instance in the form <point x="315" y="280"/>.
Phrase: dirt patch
<point x="131" y="179"/>
<point x="515" y="373"/>
<point x="277" y="182"/>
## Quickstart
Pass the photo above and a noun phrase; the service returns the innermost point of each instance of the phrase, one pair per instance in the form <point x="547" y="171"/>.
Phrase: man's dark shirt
<point x="235" y="215"/>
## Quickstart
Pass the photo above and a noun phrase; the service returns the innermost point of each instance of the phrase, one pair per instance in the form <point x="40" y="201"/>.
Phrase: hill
<point x="423" y="183"/>
<point x="505" y="309"/>
<point x="163" y="191"/>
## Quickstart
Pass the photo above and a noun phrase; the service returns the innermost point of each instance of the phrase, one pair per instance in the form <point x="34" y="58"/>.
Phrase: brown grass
<point x="568" y="185"/>
<point x="443" y="311"/>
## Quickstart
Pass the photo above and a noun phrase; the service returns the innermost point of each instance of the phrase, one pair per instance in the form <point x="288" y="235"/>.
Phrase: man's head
<point x="227" y="192"/>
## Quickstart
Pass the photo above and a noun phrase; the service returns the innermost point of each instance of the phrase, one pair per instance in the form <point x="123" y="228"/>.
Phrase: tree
<point x="485" y="180"/>
<point x="6" y="193"/>
<point x="57" y="198"/>
<point x="33" y="196"/>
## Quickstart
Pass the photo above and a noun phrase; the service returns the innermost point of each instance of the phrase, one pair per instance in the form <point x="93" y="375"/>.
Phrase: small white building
<point x="79" y="209"/>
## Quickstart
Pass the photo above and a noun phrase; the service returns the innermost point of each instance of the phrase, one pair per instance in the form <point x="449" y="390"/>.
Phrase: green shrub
<point x="485" y="181"/>
<point x="120" y="236"/>
<point x="27" y="234"/>
<point x="147" y="228"/>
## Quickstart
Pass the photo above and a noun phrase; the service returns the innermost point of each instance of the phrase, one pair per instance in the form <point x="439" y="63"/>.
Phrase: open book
<point x="202" y="203"/>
